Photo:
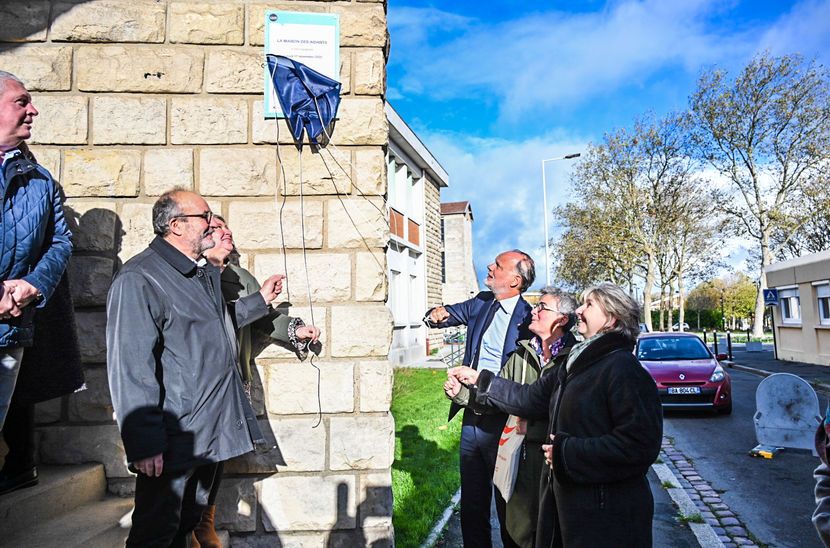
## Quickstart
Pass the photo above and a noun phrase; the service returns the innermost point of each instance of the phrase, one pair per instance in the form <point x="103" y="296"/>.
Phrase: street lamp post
<point x="545" y="206"/>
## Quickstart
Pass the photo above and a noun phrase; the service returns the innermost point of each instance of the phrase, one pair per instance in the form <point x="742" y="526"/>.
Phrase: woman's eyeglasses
<point x="542" y="306"/>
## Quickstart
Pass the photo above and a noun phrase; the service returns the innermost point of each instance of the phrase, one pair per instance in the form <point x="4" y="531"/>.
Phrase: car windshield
<point x="671" y="348"/>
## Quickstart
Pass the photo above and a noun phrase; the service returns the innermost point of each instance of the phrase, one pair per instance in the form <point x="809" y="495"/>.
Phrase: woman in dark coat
<point x="606" y="427"/>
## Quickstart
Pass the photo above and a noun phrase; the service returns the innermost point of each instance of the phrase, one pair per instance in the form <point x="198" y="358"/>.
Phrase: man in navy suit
<point x="496" y="320"/>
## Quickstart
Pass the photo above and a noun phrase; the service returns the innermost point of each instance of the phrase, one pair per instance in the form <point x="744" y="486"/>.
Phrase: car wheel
<point x="727" y="410"/>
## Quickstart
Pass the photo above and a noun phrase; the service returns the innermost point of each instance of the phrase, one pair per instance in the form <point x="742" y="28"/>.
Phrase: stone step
<point x="61" y="489"/>
<point x="93" y="525"/>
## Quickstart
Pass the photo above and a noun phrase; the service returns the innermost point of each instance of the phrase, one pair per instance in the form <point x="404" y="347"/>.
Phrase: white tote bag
<point x="509" y="455"/>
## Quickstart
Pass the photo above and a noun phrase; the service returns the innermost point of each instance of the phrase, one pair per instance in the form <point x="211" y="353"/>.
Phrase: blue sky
<point x="494" y="87"/>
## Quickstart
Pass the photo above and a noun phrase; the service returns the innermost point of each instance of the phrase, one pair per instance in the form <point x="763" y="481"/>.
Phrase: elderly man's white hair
<point x="6" y="76"/>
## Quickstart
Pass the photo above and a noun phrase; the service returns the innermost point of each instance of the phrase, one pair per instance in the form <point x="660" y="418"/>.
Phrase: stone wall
<point x="434" y="247"/>
<point x="138" y="96"/>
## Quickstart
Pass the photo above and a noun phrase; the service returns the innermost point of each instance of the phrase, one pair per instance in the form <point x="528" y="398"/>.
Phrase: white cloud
<point x="503" y="182"/>
<point x="805" y="30"/>
<point x="554" y="59"/>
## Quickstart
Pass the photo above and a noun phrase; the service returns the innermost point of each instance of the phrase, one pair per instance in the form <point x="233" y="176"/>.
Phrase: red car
<point x="688" y="376"/>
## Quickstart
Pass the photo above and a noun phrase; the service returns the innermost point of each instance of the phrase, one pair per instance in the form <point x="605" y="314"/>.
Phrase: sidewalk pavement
<point x="764" y="364"/>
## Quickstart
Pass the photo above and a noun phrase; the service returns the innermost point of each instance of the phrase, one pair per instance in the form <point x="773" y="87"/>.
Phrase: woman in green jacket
<point x="551" y="321"/>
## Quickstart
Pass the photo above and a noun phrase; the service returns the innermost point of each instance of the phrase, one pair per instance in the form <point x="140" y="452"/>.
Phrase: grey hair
<point x="526" y="269"/>
<point x="619" y="305"/>
<point x="566" y="304"/>
<point x="164" y="210"/>
<point x="6" y="76"/>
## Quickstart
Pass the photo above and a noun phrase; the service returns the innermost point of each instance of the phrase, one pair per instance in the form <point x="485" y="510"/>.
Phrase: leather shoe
<point x="17" y="480"/>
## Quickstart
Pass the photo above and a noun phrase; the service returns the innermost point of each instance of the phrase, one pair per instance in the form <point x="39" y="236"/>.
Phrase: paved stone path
<point x="725" y="523"/>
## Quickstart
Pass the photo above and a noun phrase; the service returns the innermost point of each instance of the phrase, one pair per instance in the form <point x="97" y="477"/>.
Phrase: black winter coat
<point x="608" y="425"/>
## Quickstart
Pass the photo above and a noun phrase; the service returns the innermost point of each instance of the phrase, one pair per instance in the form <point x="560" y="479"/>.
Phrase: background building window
<point x="790" y="305"/>
<point x="823" y="296"/>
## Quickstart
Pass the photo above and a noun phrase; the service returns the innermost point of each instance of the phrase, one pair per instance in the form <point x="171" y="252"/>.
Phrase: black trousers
<point x="168" y="507"/>
<point x="479" y="446"/>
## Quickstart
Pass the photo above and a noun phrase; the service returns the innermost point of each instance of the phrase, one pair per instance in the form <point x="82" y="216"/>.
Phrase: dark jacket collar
<point x="598" y="349"/>
<point x="176" y="258"/>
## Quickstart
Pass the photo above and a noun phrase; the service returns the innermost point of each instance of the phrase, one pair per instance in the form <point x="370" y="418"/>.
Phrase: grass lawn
<point x="425" y="471"/>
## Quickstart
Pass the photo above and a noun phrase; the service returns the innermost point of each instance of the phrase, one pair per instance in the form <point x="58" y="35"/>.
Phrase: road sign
<point x="771" y="297"/>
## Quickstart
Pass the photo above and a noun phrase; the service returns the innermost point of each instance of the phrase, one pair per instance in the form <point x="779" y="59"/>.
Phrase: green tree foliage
<point x="638" y="214"/>
<point x="766" y="132"/>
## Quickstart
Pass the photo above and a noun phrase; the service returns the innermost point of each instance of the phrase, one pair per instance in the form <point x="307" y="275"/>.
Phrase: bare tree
<point x="767" y="132"/>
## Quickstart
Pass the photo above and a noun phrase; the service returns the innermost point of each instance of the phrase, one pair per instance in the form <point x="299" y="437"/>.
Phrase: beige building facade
<point x="459" y="278"/>
<point x="802" y="317"/>
<point x="414" y="253"/>
<point x="138" y="96"/>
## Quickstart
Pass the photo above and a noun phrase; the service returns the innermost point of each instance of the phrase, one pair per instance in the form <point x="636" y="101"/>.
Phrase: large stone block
<point x="165" y="168"/>
<point x="89" y="279"/>
<point x="93" y="404"/>
<point x="24" y="22"/>
<point x="361" y="443"/>
<point x="236" y="505"/>
<point x="345" y="72"/>
<point x="101" y="172"/>
<point x="92" y="335"/>
<point x="291" y="388"/>
<point x="321" y="173"/>
<point x="356" y="222"/>
<point x="256" y="16"/>
<point x="307" y="503"/>
<point x="108" y="21"/>
<point x="375" y="502"/>
<point x="41" y="68"/>
<point x="50" y="158"/>
<point x="370" y="276"/>
<point x="362" y="24"/>
<point x="300" y="448"/>
<point x="137" y="223"/>
<point x="370" y="171"/>
<point x="283" y="539"/>
<point x="81" y="444"/>
<point x="329" y="275"/>
<point x="144" y="70"/>
<point x="256" y="225"/>
<point x="318" y="317"/>
<point x="238" y="172"/>
<point x="271" y="130"/>
<point x="376" y="537"/>
<point x="62" y="120"/>
<point x="369" y="72"/>
<point x="233" y="71"/>
<point x="360" y="330"/>
<point x="93" y="224"/>
<point x="204" y="23"/>
<point x="361" y="121"/>
<point x="375" y="386"/>
<point x="129" y="120"/>
<point x="213" y="120"/>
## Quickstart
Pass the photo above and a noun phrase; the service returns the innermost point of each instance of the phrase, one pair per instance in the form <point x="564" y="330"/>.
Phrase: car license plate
<point x="684" y="390"/>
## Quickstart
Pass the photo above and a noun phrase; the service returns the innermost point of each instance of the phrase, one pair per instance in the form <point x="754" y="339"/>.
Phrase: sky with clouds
<point x="493" y="88"/>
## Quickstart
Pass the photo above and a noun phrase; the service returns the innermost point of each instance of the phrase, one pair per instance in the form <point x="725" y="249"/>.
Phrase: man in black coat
<point x="172" y="366"/>
<point x="496" y="321"/>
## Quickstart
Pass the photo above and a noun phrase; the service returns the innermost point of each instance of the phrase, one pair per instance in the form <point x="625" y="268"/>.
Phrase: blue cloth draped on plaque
<point x="309" y="100"/>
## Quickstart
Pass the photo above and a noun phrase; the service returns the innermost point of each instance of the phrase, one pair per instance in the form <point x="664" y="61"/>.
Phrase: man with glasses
<point x="496" y="321"/>
<point x="171" y="362"/>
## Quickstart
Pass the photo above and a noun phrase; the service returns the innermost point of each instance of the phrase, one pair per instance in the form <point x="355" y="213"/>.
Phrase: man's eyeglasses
<point x="207" y="216"/>
<point x="542" y="306"/>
